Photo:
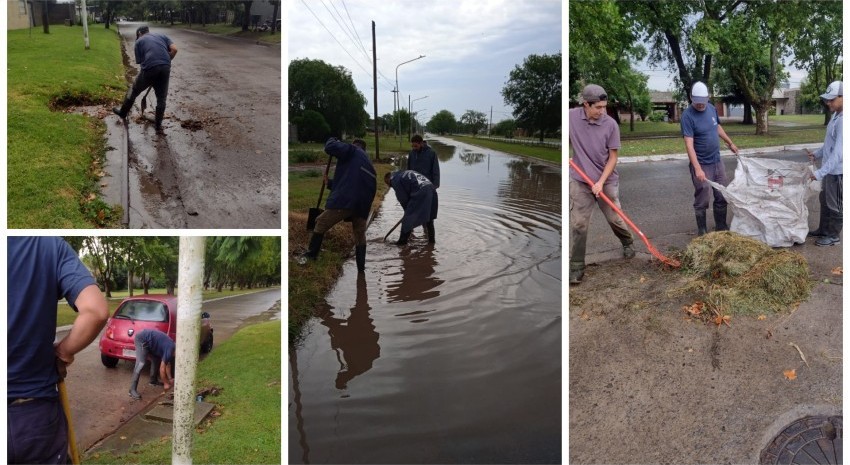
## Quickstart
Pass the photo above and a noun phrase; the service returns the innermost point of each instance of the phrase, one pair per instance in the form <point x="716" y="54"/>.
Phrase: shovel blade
<point x="311" y="217"/>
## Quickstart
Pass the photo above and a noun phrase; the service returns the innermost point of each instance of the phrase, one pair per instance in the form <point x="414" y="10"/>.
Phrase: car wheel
<point x="207" y="345"/>
<point x="108" y="362"/>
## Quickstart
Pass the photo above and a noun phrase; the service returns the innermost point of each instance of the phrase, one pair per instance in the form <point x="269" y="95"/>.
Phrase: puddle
<point x="445" y="353"/>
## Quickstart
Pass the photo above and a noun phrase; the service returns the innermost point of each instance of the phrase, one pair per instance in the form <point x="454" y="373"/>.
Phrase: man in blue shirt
<point x="40" y="271"/>
<point x="352" y="189"/>
<point x="159" y="347"/>
<point x="701" y="129"/>
<point x="154" y="53"/>
<point x="831" y="170"/>
<point x="423" y="160"/>
<point x="415" y="193"/>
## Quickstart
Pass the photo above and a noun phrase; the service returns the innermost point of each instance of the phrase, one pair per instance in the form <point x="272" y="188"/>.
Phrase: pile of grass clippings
<point x="741" y="276"/>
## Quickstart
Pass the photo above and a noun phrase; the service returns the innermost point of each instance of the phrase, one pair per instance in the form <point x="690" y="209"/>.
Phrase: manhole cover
<point x="809" y="440"/>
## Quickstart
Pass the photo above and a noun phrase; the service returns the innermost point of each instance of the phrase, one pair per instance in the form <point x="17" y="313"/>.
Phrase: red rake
<point x="655" y="252"/>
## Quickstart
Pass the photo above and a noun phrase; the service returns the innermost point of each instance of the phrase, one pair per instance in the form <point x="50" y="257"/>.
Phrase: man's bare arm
<point x="93" y="314"/>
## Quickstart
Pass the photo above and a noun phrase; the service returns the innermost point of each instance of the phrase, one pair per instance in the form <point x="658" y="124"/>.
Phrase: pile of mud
<point x="739" y="275"/>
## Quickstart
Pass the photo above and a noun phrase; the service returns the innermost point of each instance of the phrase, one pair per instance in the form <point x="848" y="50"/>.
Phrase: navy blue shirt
<point x="425" y="162"/>
<point x="354" y="183"/>
<point x="415" y="193"/>
<point x="702" y="126"/>
<point x="160" y="345"/>
<point x="152" y="50"/>
<point x="40" y="271"/>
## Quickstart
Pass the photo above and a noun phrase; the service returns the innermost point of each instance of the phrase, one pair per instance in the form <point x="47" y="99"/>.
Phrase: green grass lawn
<point x="66" y="316"/>
<point x="543" y="153"/>
<point x="53" y="158"/>
<point x="246" y="368"/>
<point x="677" y="144"/>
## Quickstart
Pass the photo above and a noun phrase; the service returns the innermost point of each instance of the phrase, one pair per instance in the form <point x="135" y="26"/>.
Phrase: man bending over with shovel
<point x="40" y="271"/>
<point x="416" y="194"/>
<point x="154" y="53"/>
<point x="159" y="347"/>
<point x="352" y="191"/>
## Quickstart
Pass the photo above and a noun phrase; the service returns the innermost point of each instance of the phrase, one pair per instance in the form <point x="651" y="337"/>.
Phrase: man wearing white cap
<point x="831" y="169"/>
<point x="594" y="140"/>
<point x="701" y="129"/>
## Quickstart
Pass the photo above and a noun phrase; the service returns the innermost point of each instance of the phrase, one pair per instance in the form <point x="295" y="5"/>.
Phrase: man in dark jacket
<point x="154" y="53"/>
<point x="423" y="160"/>
<point x="352" y="191"/>
<point x="416" y="195"/>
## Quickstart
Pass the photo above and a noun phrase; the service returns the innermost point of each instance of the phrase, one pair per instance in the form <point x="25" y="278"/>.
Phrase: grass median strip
<point x="247" y="425"/>
<point x="533" y="151"/>
<point x="54" y="158"/>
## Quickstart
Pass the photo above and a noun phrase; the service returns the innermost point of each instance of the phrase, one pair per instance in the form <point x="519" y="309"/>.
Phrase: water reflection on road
<point x="445" y="353"/>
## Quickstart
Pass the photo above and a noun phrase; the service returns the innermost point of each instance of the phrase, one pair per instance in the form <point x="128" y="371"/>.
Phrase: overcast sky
<point x="470" y="47"/>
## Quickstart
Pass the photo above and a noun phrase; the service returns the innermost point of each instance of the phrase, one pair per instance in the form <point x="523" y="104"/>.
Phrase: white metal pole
<point x="85" y="24"/>
<point x="189" y="286"/>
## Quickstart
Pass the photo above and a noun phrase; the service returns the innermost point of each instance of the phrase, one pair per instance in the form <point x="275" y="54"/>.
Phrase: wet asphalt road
<point x="98" y="395"/>
<point x="218" y="164"/>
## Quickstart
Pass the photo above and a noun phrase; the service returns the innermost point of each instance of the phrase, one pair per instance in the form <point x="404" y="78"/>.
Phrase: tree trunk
<point x="761" y="118"/>
<point x="130" y="282"/>
<point x="246" y="21"/>
<point x="45" y="19"/>
<point x="274" y="16"/>
<point x="169" y="288"/>
<point x="191" y="264"/>
<point x="106" y="290"/>
<point x="748" y="113"/>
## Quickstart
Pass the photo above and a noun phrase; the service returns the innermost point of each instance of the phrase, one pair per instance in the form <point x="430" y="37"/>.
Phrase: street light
<point x="410" y="112"/>
<point x="396" y="102"/>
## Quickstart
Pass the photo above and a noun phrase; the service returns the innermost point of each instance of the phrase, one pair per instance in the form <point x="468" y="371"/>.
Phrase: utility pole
<point x="45" y="18"/>
<point x="490" y="124"/>
<point x="375" y="88"/>
<point x="190" y="281"/>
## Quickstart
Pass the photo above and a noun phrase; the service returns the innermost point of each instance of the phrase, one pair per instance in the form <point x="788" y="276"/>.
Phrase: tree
<point x="104" y="253"/>
<point x="312" y="127"/>
<point x="330" y="91"/>
<point x="473" y="121"/>
<point x="534" y="91"/>
<point x="819" y="46"/>
<point x="504" y="128"/>
<point x="443" y="122"/>
<point x="246" y="20"/>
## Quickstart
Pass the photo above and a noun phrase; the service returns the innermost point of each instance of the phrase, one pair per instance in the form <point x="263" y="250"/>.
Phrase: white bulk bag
<point x="768" y="200"/>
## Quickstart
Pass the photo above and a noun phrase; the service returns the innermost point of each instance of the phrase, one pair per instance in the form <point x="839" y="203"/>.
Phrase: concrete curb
<point x="723" y="153"/>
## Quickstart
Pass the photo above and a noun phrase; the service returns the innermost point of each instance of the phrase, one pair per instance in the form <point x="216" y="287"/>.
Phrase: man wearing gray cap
<point x="831" y="169"/>
<point x="595" y="140"/>
<point x="154" y="53"/>
<point x="701" y="129"/>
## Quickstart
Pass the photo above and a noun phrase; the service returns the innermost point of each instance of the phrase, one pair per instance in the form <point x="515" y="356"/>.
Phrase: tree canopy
<point x="330" y="91"/>
<point x="534" y="91"/>
<point x="443" y="122"/>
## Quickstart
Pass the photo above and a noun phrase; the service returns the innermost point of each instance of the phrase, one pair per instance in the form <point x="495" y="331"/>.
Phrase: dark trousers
<point x="702" y="190"/>
<point x="831" y="205"/>
<point x="37" y="432"/>
<point x="158" y="77"/>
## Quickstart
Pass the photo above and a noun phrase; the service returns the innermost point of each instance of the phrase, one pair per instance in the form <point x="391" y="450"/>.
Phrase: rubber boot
<point x="360" y="257"/>
<point x="158" y="121"/>
<point x="315" y="246"/>
<point x="402" y="239"/>
<point x="430" y="227"/>
<point x="701" y="228"/>
<point x="720" y="219"/>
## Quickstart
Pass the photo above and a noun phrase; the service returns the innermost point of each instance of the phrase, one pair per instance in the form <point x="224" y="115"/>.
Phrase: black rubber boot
<point x="402" y="239"/>
<point x="158" y="121"/>
<point x="315" y="246"/>
<point x="430" y="227"/>
<point x="360" y="257"/>
<point x="701" y="227"/>
<point x="720" y="219"/>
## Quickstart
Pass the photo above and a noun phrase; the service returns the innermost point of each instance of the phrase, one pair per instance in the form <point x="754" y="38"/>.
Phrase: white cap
<point x="836" y="89"/>
<point x="699" y="93"/>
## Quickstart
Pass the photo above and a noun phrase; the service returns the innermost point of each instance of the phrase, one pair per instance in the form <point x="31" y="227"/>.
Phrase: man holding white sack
<point x="830" y="172"/>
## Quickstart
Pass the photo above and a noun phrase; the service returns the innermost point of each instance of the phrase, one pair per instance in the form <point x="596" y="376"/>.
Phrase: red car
<point x="149" y="311"/>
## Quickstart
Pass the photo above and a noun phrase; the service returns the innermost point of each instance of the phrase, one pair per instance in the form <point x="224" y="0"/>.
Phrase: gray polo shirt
<point x="590" y="142"/>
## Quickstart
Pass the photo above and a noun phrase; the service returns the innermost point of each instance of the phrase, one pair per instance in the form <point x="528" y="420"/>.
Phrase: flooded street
<point x="445" y="353"/>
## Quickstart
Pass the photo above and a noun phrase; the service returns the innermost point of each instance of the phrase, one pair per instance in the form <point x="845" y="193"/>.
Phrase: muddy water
<point x="447" y="353"/>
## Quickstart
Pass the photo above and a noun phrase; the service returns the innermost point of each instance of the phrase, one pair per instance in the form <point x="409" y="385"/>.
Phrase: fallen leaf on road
<point x="838" y="271"/>
<point x="762" y="317"/>
<point x="790" y="375"/>
<point x="695" y="309"/>
<point x="123" y="437"/>
<point x="723" y="319"/>
<point x="643" y="279"/>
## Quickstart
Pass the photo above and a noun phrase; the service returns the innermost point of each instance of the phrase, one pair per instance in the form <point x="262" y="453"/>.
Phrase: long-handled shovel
<point x="72" y="438"/>
<point x="315" y="212"/>
<point x="391" y="230"/>
<point x="655" y="253"/>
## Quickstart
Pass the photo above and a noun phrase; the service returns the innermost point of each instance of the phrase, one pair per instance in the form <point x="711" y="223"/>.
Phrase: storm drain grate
<point x="809" y="440"/>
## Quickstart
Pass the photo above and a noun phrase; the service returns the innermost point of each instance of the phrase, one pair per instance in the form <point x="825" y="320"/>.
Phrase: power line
<point x="353" y="26"/>
<point x="337" y="40"/>
<point x="345" y="30"/>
